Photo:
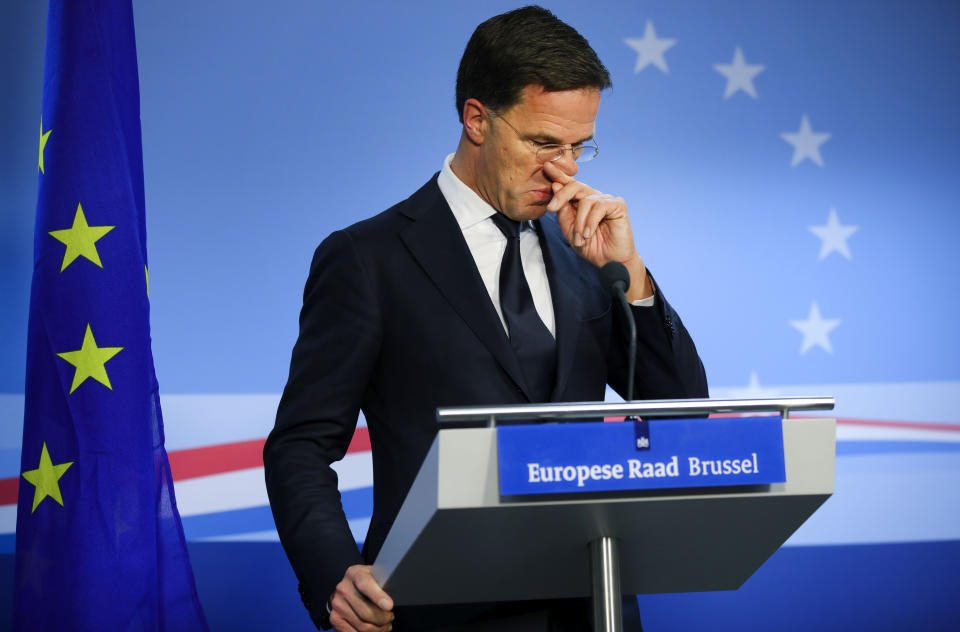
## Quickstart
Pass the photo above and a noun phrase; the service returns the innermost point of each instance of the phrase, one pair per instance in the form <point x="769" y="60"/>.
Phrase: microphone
<point x="615" y="279"/>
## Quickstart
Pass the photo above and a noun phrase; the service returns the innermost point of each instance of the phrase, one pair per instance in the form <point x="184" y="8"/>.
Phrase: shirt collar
<point x="469" y="209"/>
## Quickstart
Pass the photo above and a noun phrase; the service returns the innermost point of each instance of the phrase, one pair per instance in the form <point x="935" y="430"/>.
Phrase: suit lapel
<point x="436" y="242"/>
<point x="564" y="277"/>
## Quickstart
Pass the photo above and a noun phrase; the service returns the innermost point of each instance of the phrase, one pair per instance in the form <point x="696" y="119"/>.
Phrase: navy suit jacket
<point x="396" y="322"/>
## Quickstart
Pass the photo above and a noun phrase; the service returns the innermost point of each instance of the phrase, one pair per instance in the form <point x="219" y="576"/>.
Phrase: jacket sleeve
<point x="668" y="366"/>
<point x="330" y="369"/>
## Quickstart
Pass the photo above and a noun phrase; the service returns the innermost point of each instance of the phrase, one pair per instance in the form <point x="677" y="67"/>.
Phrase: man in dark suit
<point x="481" y="288"/>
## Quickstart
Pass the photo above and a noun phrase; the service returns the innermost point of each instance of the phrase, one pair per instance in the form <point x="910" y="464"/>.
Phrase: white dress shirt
<point x="487" y="245"/>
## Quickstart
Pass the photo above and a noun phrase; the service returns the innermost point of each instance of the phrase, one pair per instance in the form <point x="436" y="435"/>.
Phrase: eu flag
<point x="99" y="543"/>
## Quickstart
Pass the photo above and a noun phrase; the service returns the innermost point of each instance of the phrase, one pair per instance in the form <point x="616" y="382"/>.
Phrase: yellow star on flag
<point x="89" y="361"/>
<point x="43" y="142"/>
<point x="80" y="239"/>
<point x="46" y="478"/>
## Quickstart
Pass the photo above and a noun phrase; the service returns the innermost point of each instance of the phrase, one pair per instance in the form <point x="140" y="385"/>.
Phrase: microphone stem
<point x="632" y="347"/>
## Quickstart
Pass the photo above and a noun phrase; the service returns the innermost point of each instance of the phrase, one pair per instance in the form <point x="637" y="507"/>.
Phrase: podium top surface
<point x="480" y="415"/>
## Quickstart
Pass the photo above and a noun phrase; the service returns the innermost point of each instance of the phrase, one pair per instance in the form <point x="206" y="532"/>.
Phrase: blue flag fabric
<point x="99" y="542"/>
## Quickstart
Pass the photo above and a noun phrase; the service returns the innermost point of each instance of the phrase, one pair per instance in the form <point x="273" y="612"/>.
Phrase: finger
<point x="572" y="192"/>
<point x="584" y="208"/>
<point x="604" y="206"/>
<point x="560" y="184"/>
<point x="344" y="617"/>
<point x="555" y="173"/>
<point x="566" y="217"/>
<point x="569" y="193"/>
<point x="370" y="589"/>
<point x="368" y="615"/>
<point x="355" y="607"/>
<point x="592" y="217"/>
<point x="590" y="204"/>
<point x="339" y="623"/>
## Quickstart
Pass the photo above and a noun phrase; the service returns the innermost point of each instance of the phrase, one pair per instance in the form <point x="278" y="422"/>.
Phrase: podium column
<point x="605" y="573"/>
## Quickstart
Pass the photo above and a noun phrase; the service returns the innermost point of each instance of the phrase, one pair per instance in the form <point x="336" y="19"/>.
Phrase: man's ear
<point x="476" y="121"/>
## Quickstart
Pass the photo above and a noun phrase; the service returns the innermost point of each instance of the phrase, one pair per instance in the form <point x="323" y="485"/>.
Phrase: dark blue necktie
<point x="531" y="340"/>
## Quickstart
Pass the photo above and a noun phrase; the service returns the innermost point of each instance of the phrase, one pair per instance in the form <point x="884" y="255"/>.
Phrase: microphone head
<point x="614" y="275"/>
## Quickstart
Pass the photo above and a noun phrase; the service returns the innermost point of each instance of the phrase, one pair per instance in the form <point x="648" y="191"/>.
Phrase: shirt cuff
<point x="649" y="301"/>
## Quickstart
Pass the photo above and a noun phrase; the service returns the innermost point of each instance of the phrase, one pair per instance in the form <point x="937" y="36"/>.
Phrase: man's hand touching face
<point x="597" y="226"/>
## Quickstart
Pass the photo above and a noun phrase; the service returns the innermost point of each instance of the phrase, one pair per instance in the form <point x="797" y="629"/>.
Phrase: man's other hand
<point x="358" y="604"/>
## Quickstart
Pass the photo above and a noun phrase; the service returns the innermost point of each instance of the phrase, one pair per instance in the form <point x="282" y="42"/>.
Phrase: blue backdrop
<point x="797" y="201"/>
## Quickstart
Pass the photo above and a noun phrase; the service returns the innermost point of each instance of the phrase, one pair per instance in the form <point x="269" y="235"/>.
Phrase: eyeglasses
<point x="551" y="152"/>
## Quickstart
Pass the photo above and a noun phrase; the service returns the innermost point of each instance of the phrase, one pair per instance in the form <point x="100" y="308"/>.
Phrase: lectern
<point x="458" y="539"/>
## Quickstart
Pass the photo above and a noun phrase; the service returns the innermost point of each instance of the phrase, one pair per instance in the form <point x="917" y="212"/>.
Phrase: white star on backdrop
<point x="815" y="330"/>
<point x="649" y="49"/>
<point x="834" y="236"/>
<point x="806" y="143"/>
<point x="753" y="390"/>
<point x="739" y="74"/>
